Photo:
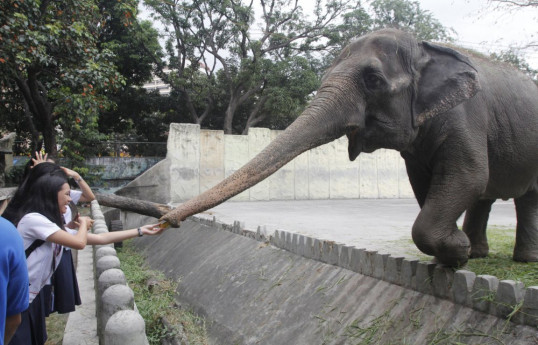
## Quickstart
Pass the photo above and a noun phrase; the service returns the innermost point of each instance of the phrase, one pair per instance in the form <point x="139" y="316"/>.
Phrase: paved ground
<point x="81" y="328"/>
<point x="380" y="224"/>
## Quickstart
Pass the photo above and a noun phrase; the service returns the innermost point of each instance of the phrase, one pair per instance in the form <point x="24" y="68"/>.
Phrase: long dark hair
<point x="44" y="198"/>
<point x="38" y="193"/>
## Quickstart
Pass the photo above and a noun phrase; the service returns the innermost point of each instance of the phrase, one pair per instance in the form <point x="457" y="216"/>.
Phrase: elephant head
<point x="378" y="92"/>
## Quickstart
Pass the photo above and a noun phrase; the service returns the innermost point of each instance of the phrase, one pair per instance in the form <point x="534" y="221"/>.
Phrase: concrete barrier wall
<point x="502" y="298"/>
<point x="282" y="288"/>
<point x="199" y="159"/>
<point x="122" y="168"/>
<point x="118" y="322"/>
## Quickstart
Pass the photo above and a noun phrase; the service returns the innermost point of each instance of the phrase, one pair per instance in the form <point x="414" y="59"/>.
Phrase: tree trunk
<point x="255" y="117"/>
<point x="146" y="208"/>
<point x="229" y="115"/>
<point x="35" y="96"/>
<point x="49" y="138"/>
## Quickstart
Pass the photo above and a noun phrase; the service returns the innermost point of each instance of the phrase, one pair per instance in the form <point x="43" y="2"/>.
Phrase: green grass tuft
<point x="499" y="261"/>
<point x="155" y="299"/>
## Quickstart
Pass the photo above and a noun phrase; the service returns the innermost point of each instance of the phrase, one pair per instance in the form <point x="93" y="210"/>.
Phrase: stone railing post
<point x="118" y="322"/>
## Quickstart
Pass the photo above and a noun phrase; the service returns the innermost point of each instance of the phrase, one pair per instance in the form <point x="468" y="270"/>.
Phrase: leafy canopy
<point x="51" y="61"/>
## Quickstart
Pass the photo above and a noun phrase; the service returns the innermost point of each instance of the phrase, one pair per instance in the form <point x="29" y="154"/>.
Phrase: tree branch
<point x="146" y="208"/>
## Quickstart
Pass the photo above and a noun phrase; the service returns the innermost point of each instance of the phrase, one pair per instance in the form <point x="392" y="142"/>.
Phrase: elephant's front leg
<point x="526" y="248"/>
<point x="435" y="231"/>
<point x="475" y="225"/>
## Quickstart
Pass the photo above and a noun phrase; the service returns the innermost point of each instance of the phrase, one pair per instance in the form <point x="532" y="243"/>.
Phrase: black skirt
<point x="32" y="330"/>
<point x="65" y="285"/>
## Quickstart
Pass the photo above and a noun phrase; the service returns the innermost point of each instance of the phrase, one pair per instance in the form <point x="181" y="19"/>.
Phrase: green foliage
<point x="14" y="175"/>
<point x="52" y="60"/>
<point x="247" y="75"/>
<point x="128" y="38"/>
<point x="70" y="70"/>
<point x="400" y="14"/>
<point x="513" y="58"/>
<point x="217" y="62"/>
<point x="289" y="86"/>
<point x="155" y="298"/>
<point x="139" y="117"/>
<point x="64" y="65"/>
<point x="408" y="16"/>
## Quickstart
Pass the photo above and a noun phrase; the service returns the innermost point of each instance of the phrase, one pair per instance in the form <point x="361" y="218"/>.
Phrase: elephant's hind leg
<point x="475" y="225"/>
<point x="526" y="248"/>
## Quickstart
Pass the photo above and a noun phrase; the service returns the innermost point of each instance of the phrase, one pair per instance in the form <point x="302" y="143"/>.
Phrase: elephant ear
<point x="446" y="78"/>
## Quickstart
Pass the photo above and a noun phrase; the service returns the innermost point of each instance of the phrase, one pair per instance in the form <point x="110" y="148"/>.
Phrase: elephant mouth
<point x="354" y="144"/>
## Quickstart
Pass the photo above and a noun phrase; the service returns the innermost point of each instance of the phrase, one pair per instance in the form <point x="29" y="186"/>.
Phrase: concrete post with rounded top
<point x="125" y="327"/>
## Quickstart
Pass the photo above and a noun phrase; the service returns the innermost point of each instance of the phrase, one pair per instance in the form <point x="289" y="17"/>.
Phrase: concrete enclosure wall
<point x="284" y="288"/>
<point x="199" y="159"/>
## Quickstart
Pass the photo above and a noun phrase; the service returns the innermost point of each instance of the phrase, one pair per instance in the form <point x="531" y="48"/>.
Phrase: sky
<point x="479" y="25"/>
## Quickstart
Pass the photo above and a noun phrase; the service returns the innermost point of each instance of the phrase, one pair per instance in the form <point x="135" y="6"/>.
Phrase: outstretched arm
<point x="118" y="236"/>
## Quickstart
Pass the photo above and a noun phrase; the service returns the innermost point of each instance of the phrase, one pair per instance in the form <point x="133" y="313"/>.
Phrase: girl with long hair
<point x="40" y="222"/>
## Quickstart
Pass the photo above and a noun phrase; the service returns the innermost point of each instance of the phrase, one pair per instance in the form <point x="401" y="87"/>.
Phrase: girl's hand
<point x="152" y="229"/>
<point x="87" y="220"/>
<point x="40" y="158"/>
<point x="71" y="173"/>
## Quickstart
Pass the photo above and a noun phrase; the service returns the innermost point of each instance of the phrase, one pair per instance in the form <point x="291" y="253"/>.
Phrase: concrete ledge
<point x="118" y="322"/>
<point x="81" y="327"/>
<point x="461" y="287"/>
<point x="281" y="289"/>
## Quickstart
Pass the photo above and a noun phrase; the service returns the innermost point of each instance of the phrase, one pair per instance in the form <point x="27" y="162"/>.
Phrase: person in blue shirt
<point x="13" y="280"/>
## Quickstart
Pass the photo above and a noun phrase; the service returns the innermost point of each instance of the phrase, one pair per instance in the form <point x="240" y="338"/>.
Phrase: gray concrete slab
<point x="81" y="327"/>
<point x="377" y="224"/>
<point x="252" y="293"/>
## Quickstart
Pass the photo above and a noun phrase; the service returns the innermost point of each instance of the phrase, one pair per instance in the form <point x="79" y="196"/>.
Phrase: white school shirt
<point x="34" y="226"/>
<point x="75" y="197"/>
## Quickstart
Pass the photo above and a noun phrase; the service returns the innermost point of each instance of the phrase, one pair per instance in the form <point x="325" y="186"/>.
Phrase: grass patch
<point x="154" y="298"/>
<point x="56" y="328"/>
<point x="499" y="261"/>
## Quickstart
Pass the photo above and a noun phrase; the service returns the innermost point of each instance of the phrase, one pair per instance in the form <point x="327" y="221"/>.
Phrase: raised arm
<point x="87" y="194"/>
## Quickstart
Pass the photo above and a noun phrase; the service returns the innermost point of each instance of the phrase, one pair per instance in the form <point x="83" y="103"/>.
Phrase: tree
<point x="135" y="116"/>
<point x="521" y="3"/>
<point x="210" y="36"/>
<point x="285" y="95"/>
<point x="408" y="16"/>
<point x="400" y="14"/>
<point x="517" y="5"/>
<point x="513" y="58"/>
<point x="127" y="37"/>
<point x="51" y="59"/>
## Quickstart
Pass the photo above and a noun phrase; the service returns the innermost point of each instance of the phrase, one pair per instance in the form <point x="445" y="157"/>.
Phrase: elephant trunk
<point x="308" y="131"/>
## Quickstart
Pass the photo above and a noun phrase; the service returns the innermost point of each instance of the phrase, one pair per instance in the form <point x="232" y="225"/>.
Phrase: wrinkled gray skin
<point x="466" y="128"/>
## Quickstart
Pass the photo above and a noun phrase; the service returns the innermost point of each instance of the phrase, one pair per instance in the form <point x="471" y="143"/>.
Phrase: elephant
<point x="466" y="127"/>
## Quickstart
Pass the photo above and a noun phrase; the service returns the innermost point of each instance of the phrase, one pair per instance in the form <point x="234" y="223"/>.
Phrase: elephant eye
<point x="373" y="81"/>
